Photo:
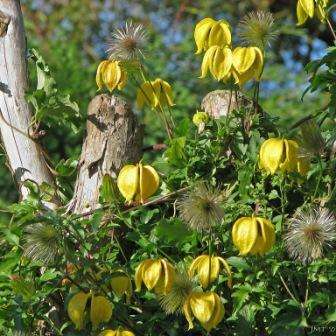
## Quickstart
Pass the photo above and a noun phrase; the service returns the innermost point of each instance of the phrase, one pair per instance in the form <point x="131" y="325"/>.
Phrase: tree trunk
<point x="113" y="139"/>
<point x="25" y="156"/>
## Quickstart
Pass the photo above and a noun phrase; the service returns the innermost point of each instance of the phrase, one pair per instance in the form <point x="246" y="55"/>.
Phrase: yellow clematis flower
<point x="218" y="60"/>
<point x="157" y="274"/>
<point x="100" y="311"/>
<point x="200" y="117"/>
<point x="138" y="182"/>
<point x="121" y="284"/>
<point x="206" y="307"/>
<point x="254" y="235"/>
<point x="208" y="273"/>
<point x="209" y="32"/>
<point x="307" y="8"/>
<point x="118" y="332"/>
<point x="111" y="74"/>
<point x="248" y="63"/>
<point x="155" y="94"/>
<point x="282" y="154"/>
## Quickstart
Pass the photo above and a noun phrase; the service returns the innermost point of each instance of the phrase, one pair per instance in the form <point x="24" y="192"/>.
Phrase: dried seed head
<point x="173" y="301"/>
<point x="200" y="207"/>
<point x="257" y="29"/>
<point x="309" y="233"/>
<point x="128" y="43"/>
<point x="42" y="243"/>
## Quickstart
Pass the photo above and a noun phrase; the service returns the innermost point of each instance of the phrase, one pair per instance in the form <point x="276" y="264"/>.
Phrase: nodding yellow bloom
<point x="307" y="8"/>
<point x="111" y="75"/>
<point x="121" y="284"/>
<point x="157" y="274"/>
<point x="118" y="332"/>
<point x="209" y="32"/>
<point x="138" y="182"/>
<point x="281" y="154"/>
<point x="248" y="63"/>
<point x="206" y="307"/>
<point x="208" y="273"/>
<point x="253" y="235"/>
<point x="218" y="60"/>
<point x="200" y="118"/>
<point x="101" y="309"/>
<point x="155" y="94"/>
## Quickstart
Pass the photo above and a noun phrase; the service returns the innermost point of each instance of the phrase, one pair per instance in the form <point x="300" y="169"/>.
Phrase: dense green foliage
<point x="271" y="294"/>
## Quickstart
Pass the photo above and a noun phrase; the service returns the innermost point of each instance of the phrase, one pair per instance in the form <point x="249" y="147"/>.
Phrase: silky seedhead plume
<point x="200" y="208"/>
<point x="310" y="232"/>
<point x="257" y="29"/>
<point x="128" y="43"/>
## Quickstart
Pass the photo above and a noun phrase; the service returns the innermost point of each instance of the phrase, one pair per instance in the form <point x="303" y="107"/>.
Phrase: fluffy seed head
<point x="257" y="29"/>
<point x="200" y="208"/>
<point x="309" y="233"/>
<point x="42" y="243"/>
<point x="183" y="285"/>
<point x="127" y="43"/>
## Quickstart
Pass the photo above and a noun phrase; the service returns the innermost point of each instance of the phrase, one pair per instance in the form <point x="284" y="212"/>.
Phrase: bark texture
<point x="25" y="156"/>
<point x="113" y="139"/>
<point x="219" y="103"/>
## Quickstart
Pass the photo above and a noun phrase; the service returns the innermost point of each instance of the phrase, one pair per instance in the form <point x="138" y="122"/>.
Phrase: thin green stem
<point x="319" y="178"/>
<point x="331" y="28"/>
<point x="283" y="201"/>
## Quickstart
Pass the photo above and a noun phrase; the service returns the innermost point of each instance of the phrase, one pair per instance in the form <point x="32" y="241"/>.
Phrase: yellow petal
<point x="76" y="308"/>
<point x="152" y="274"/>
<point x="308" y="7"/>
<point x="208" y="273"/>
<point x="201" y="33"/>
<point x="227" y="269"/>
<point x="188" y="313"/>
<point x="126" y="333"/>
<point x="202" y="306"/>
<point x="218" y="315"/>
<point x="290" y="162"/>
<point x="139" y="273"/>
<point x="149" y="182"/>
<point x="244" y="234"/>
<point x="121" y="284"/>
<point x="101" y="310"/>
<point x="302" y="16"/>
<point x="259" y="63"/>
<point x="112" y="75"/>
<point x="146" y="95"/>
<point x="267" y="232"/>
<point x="108" y="333"/>
<point x="169" y="271"/>
<point x="193" y="268"/>
<point x="207" y="61"/>
<point x="168" y="93"/>
<point x="243" y="58"/>
<point x="99" y="74"/>
<point x="128" y="181"/>
<point x="227" y="32"/>
<point x="272" y="153"/>
<point x="216" y="35"/>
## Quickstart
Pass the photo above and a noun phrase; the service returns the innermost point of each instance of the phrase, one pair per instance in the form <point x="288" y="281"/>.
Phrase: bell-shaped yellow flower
<point x="207" y="273"/>
<point x="157" y="274"/>
<point x="206" y="307"/>
<point x="282" y="154"/>
<point x="118" y="332"/>
<point x="307" y="8"/>
<point x="155" y="94"/>
<point x="100" y="311"/>
<point x="218" y="60"/>
<point x="248" y="63"/>
<point x="76" y="309"/>
<point x="111" y="74"/>
<point x="138" y="182"/>
<point x="253" y="235"/>
<point x="209" y="32"/>
<point x="121" y="284"/>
